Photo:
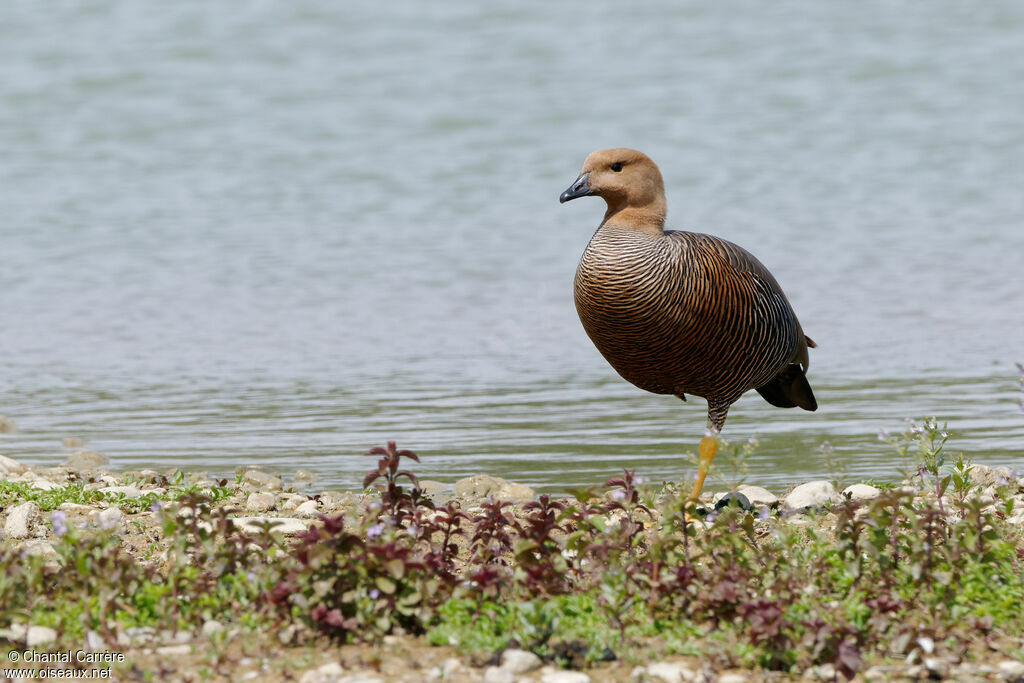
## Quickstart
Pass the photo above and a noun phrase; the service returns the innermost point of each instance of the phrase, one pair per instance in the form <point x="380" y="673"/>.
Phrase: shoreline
<point x="131" y="506"/>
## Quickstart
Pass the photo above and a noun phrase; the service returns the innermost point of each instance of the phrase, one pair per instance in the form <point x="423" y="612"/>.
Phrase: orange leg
<point x="707" y="449"/>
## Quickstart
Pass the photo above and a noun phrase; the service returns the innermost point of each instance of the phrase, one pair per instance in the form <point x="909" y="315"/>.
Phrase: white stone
<point x="445" y="670"/>
<point x="519" y="661"/>
<point x="260" y="502"/>
<point x="483" y="485"/>
<point x="304" y="477"/>
<point x="16" y="632"/>
<point x="76" y="508"/>
<point x="107" y="519"/>
<point x="39" y="635"/>
<point x="94" y="642"/>
<point x="822" y="672"/>
<point x="286" y="502"/>
<point x="9" y="466"/>
<point x="307" y="509"/>
<point x="564" y="677"/>
<point x="495" y="674"/>
<point x="174" y="650"/>
<point x="669" y="672"/>
<point x="811" y="494"/>
<point x="478" y="486"/>
<point x="141" y="634"/>
<point x="432" y="488"/>
<point x="212" y="627"/>
<point x="515" y="493"/>
<point x="733" y="678"/>
<point x="861" y="492"/>
<point x="360" y="678"/>
<point x="168" y="636"/>
<point x="983" y="475"/>
<point x="287" y="526"/>
<point x="757" y="495"/>
<point x="23" y="521"/>
<point x="261" y="480"/>
<point x="40" y="548"/>
<point x="43" y="484"/>
<point x="1011" y="669"/>
<point x="328" y="673"/>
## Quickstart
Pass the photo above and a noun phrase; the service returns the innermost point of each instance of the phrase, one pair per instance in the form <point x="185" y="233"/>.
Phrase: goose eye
<point x="617" y="166"/>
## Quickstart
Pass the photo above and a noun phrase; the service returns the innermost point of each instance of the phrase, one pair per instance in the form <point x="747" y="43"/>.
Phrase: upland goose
<point x="681" y="312"/>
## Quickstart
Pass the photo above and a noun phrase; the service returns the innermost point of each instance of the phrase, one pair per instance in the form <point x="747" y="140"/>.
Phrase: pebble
<point x="758" y="496"/>
<point x="861" y="492"/>
<point x="307" y="509"/>
<point x="282" y="525"/>
<point x="212" y="627"/>
<point x="169" y="637"/>
<point x="669" y="672"/>
<point x="9" y="466"/>
<point x="260" y="502"/>
<point x="821" y="672"/>
<point x="261" y="480"/>
<point x="433" y="488"/>
<point x="15" y="632"/>
<point x="495" y="674"/>
<point x="135" y="635"/>
<point x="43" y="484"/>
<point x="483" y="485"/>
<point x="7" y="425"/>
<point x="519" y="661"/>
<point x="287" y="634"/>
<point x="23" y="521"/>
<point x="557" y="676"/>
<point x="126" y="491"/>
<point x="983" y="475"/>
<point x="515" y="493"/>
<point x="328" y="673"/>
<point x="174" y="650"/>
<point x="39" y="635"/>
<point x="444" y="670"/>
<point x="303" y="477"/>
<point x="733" y="678"/>
<point x="108" y="519"/>
<point x="1011" y="669"/>
<point x="40" y="548"/>
<point x="75" y="508"/>
<point x="811" y="494"/>
<point x="286" y="502"/>
<point x="86" y="460"/>
<point x="94" y="642"/>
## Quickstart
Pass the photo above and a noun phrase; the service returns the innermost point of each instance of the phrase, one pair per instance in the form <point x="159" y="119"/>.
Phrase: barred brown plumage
<point x="681" y="312"/>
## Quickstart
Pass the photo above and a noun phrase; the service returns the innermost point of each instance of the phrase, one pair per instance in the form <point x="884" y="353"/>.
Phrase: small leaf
<point x="385" y="585"/>
<point x="396" y="568"/>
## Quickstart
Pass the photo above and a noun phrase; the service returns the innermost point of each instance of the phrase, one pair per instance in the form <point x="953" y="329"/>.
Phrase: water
<point x="285" y="233"/>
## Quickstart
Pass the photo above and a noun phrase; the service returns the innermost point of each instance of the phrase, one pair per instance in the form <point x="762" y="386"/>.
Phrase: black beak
<point x="579" y="188"/>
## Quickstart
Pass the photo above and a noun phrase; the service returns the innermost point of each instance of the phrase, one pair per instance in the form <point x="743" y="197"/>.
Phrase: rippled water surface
<point x="282" y="233"/>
